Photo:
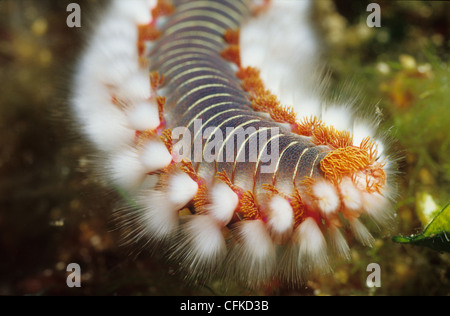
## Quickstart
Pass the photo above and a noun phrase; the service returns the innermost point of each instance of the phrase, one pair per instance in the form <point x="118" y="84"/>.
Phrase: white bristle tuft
<point x="200" y="245"/>
<point x="162" y="204"/>
<point x="161" y="216"/>
<point x="292" y="43"/>
<point x="126" y="170"/>
<point x="339" y="244"/>
<point x="136" y="88"/>
<point x="155" y="156"/>
<point x="97" y="125"/>
<point x="224" y="202"/>
<point x="312" y="255"/>
<point x="144" y="116"/>
<point x="378" y="208"/>
<point x="280" y="218"/>
<point x="351" y="196"/>
<point x="362" y="130"/>
<point x="308" y="106"/>
<point x="252" y="255"/>
<point x="117" y="29"/>
<point x="326" y="197"/>
<point x="340" y="117"/>
<point x="361" y="233"/>
<point x="181" y="189"/>
<point x="112" y="51"/>
<point x="381" y="149"/>
<point x="137" y="11"/>
<point x="110" y="68"/>
<point x="288" y="266"/>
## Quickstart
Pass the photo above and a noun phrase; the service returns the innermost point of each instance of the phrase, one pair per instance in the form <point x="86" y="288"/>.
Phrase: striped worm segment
<point x="195" y="126"/>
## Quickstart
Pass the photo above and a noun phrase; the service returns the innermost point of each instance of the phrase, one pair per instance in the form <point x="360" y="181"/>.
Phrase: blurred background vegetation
<point x="54" y="211"/>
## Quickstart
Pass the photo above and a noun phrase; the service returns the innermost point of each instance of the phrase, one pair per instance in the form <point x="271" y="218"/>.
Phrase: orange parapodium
<point x="374" y="177"/>
<point x="156" y="80"/>
<point x="188" y="168"/>
<point x="166" y="138"/>
<point x="271" y="189"/>
<point x="161" y="102"/>
<point x="143" y="137"/>
<point x="201" y="199"/>
<point x="249" y="209"/>
<point x="307" y="184"/>
<point x="344" y="161"/>
<point x="283" y="114"/>
<point x="162" y="8"/>
<point x="251" y="81"/>
<point x="263" y="100"/>
<point x="222" y="176"/>
<point x="149" y="32"/>
<point x="370" y="146"/>
<point x="232" y="36"/>
<point x="259" y="7"/>
<point x="232" y="54"/>
<point x="146" y="33"/>
<point x="307" y="126"/>
<point x="298" y="206"/>
<point x="325" y="135"/>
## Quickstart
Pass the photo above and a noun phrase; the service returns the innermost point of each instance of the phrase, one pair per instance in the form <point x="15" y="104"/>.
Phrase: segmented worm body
<point x="201" y="85"/>
<point x="188" y="123"/>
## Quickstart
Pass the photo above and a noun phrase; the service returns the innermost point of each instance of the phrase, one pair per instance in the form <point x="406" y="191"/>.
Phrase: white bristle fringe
<point x="144" y="116"/>
<point x="224" y="202"/>
<point x="361" y="233"/>
<point x="199" y="246"/>
<point x="292" y="44"/>
<point x="126" y="170"/>
<point x="378" y="208"/>
<point x="361" y="130"/>
<point x="381" y="149"/>
<point x="305" y="254"/>
<point x="251" y="259"/>
<point x="280" y="218"/>
<point x="138" y="11"/>
<point x="112" y="50"/>
<point x="159" y="214"/>
<point x="161" y="204"/>
<point x="326" y="197"/>
<point x="112" y="55"/>
<point x="93" y="107"/>
<point x="181" y="189"/>
<point x="117" y="29"/>
<point x="288" y="268"/>
<point x="312" y="256"/>
<point x="114" y="76"/>
<point x="135" y="88"/>
<point x="338" y="243"/>
<point x="351" y="196"/>
<point x="155" y="156"/>
<point x="105" y="67"/>
<point x="339" y="116"/>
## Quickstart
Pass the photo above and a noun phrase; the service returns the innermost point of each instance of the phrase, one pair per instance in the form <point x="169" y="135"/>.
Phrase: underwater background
<point x="55" y="211"/>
